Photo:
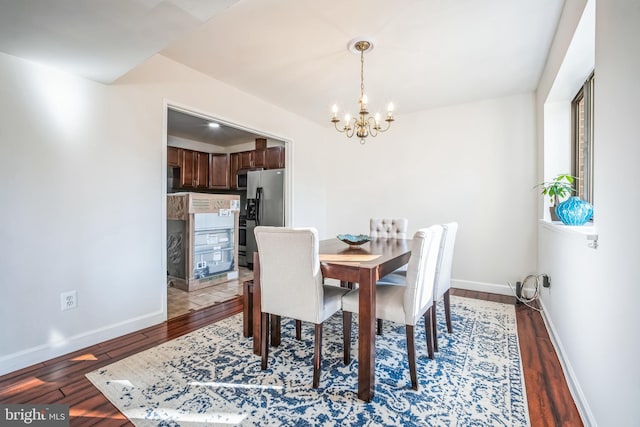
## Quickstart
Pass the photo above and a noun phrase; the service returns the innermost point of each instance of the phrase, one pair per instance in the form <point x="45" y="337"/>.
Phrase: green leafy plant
<point x="558" y="188"/>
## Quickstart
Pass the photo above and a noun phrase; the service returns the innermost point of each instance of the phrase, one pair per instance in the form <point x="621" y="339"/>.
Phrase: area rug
<point x="211" y="377"/>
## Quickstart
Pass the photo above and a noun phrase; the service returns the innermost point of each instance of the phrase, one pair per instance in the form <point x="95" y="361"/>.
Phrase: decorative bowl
<point x="354" y="240"/>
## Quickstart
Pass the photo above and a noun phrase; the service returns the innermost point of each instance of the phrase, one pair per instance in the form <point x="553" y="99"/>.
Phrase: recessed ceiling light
<point x="213" y="125"/>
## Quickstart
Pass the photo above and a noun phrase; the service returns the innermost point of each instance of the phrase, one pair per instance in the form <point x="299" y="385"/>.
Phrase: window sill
<point x="583" y="232"/>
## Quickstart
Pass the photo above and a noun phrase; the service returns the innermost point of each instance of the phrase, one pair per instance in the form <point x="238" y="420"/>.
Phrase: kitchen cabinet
<point x="173" y="157"/>
<point x="194" y="169"/>
<point x="234" y="159"/>
<point x="260" y="153"/>
<point x="252" y="159"/>
<point x="219" y="171"/>
<point x="260" y="158"/>
<point x="187" y="169"/>
<point x="275" y="157"/>
<point x="202" y="171"/>
<point x="246" y="159"/>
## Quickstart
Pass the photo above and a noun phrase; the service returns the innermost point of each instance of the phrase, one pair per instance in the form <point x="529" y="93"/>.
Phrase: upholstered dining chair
<point x="442" y="284"/>
<point x="404" y="304"/>
<point x="291" y="284"/>
<point x="386" y="228"/>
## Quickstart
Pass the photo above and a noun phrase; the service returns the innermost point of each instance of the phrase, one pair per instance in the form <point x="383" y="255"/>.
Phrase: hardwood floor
<point x="61" y="380"/>
<point x="181" y="302"/>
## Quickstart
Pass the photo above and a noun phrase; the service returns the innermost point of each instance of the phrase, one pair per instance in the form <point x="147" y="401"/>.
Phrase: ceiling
<point x="293" y="53"/>
<point x="196" y="128"/>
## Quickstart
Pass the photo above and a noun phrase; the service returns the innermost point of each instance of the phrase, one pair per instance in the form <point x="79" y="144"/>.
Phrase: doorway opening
<point x="204" y="154"/>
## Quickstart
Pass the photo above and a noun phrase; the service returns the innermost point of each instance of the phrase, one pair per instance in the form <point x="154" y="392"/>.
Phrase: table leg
<point x="247" y="313"/>
<point x="367" y="334"/>
<point x="257" y="316"/>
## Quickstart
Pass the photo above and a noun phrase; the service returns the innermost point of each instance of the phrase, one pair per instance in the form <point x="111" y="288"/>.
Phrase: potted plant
<point x="557" y="189"/>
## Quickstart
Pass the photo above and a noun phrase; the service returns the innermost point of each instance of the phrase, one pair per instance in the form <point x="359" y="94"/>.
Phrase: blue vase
<point x="574" y="211"/>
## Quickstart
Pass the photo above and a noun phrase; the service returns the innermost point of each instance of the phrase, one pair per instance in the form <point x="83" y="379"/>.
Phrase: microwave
<point x="241" y="178"/>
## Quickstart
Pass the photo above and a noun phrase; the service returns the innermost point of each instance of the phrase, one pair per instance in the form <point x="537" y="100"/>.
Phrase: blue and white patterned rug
<point x="211" y="377"/>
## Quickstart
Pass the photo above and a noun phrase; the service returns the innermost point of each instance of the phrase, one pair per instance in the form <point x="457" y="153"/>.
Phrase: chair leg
<point x="276" y="322"/>
<point x="317" y="358"/>
<point x="346" y="336"/>
<point x="298" y="330"/>
<point x="434" y="325"/>
<point x="411" y="353"/>
<point x="447" y="311"/>
<point x="379" y="326"/>
<point x="264" y="336"/>
<point x="428" y="331"/>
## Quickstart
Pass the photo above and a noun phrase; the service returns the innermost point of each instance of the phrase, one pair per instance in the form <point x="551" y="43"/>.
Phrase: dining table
<point x="363" y="264"/>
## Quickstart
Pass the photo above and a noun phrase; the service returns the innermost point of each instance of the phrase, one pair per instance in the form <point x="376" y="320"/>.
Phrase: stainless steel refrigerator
<point x="265" y="204"/>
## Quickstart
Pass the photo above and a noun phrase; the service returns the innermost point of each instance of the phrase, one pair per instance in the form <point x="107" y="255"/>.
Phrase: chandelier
<point x="363" y="125"/>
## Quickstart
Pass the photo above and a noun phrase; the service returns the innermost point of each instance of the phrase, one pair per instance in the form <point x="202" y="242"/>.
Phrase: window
<point x="582" y="135"/>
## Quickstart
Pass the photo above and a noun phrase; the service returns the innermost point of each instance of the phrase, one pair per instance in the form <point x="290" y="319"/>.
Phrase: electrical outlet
<point x="68" y="300"/>
<point x="546" y="281"/>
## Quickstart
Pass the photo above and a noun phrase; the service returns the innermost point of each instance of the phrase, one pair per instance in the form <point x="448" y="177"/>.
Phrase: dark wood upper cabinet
<point x="187" y="169"/>
<point x="246" y="159"/>
<point x="194" y="169"/>
<point x="173" y="156"/>
<point x="219" y="171"/>
<point x="260" y="153"/>
<point x="234" y="163"/>
<point x="275" y="157"/>
<point x="260" y="158"/>
<point x="202" y="170"/>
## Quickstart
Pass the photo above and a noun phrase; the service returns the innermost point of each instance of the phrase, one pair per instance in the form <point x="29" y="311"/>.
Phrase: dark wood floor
<point x="61" y="380"/>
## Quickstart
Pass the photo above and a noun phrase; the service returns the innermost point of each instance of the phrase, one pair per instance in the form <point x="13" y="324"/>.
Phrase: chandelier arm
<point x="387" y="127"/>
<point x="350" y="127"/>
<point x="373" y="126"/>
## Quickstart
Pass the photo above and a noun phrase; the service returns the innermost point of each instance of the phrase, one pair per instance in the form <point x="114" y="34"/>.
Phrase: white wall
<point x="591" y="305"/>
<point x="83" y="197"/>
<point x="471" y="163"/>
<point x="85" y="183"/>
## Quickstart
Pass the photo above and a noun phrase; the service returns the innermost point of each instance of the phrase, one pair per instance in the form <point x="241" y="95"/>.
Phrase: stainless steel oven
<point x="242" y="241"/>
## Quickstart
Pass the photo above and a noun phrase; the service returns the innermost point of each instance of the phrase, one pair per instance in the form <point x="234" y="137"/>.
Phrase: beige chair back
<point x="445" y="263"/>
<point x="385" y="228"/>
<point x="290" y="276"/>
<point x="421" y="271"/>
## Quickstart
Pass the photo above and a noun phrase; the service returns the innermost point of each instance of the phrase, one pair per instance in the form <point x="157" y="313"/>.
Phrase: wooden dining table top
<point x="385" y="254"/>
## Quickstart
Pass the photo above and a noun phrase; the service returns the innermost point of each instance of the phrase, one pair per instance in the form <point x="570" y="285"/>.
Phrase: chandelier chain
<point x="361" y="74"/>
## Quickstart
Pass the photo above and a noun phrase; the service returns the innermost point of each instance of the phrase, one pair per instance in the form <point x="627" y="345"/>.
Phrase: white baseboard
<point x="492" y="288"/>
<point x="31" y="356"/>
<point x="574" y="387"/>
